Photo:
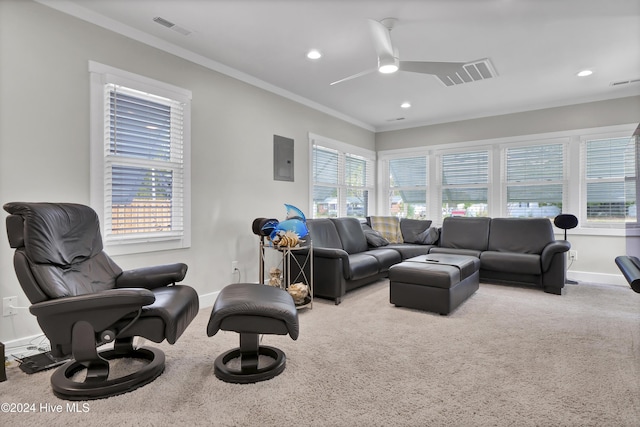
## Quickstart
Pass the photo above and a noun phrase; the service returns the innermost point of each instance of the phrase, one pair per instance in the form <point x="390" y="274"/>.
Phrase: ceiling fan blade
<point x="381" y="40"/>
<point x="435" y="68"/>
<point x="360" y="74"/>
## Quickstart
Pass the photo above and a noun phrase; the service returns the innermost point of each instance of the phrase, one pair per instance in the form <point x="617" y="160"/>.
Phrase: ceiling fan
<point x="449" y="73"/>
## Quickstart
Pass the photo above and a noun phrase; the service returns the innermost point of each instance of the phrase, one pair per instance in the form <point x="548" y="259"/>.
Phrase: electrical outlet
<point x="234" y="267"/>
<point x="7" y="302"/>
<point x="573" y="255"/>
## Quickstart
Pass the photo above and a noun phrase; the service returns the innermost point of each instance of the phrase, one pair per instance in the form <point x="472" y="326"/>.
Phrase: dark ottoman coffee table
<point x="437" y="282"/>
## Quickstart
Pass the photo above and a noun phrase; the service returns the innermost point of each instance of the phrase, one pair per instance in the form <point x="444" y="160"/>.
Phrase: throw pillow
<point x="411" y="229"/>
<point x="388" y="227"/>
<point x="428" y="236"/>
<point x="374" y="239"/>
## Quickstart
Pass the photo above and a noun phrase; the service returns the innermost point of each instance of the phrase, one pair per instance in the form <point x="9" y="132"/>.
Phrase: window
<point x="534" y="180"/>
<point x="465" y="179"/>
<point x="590" y="173"/>
<point x="610" y="178"/>
<point x="342" y="179"/>
<point x="140" y="174"/>
<point x="408" y="187"/>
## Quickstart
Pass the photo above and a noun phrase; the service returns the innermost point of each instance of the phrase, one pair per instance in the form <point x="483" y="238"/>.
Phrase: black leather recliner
<point x="82" y="299"/>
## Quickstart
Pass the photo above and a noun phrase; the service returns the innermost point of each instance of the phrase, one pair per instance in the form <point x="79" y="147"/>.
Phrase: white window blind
<point x="610" y="175"/>
<point x="465" y="178"/>
<point x="534" y="180"/>
<point x="144" y="185"/>
<point x="140" y="161"/>
<point x="408" y="187"/>
<point x="325" y="182"/>
<point x="342" y="182"/>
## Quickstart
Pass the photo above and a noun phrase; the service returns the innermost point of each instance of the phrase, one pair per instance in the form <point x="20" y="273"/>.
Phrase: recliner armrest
<point x="110" y="300"/>
<point x="152" y="277"/>
<point x="555" y="247"/>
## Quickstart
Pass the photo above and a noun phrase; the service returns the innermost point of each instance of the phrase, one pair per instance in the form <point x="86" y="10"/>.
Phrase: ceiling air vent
<point x="624" y="82"/>
<point x="171" y="25"/>
<point x="470" y="72"/>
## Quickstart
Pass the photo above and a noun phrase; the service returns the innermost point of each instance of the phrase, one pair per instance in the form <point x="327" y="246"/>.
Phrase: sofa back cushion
<point x="412" y="229"/>
<point x="323" y="233"/>
<point x="351" y="234"/>
<point x="465" y="233"/>
<point x="521" y="235"/>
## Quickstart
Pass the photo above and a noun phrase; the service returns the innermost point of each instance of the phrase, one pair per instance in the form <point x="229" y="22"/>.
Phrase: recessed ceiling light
<point x="405" y="105"/>
<point x="314" y="54"/>
<point x="585" y="73"/>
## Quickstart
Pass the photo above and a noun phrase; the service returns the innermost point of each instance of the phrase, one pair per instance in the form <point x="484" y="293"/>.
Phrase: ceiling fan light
<point x="388" y="65"/>
<point x="388" y="69"/>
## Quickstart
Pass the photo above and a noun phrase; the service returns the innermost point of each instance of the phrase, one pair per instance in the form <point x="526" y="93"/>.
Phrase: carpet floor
<point x="508" y="356"/>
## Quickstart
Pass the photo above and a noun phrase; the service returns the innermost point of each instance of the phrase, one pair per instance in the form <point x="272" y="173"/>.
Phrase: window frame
<point x="505" y="184"/>
<point x="584" y="181"/>
<point x="574" y="196"/>
<point x="100" y="76"/>
<point x="441" y="186"/>
<point x="343" y="151"/>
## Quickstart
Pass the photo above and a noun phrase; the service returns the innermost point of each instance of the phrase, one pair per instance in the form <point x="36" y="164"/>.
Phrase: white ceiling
<point x="536" y="47"/>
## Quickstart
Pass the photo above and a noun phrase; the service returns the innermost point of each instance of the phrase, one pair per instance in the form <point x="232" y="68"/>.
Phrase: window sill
<point x="135" y="246"/>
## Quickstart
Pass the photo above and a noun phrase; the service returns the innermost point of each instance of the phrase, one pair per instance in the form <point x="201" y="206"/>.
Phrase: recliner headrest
<point x="15" y="231"/>
<point x="54" y="233"/>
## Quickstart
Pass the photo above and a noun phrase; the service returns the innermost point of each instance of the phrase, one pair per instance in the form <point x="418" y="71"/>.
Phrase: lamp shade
<point x="565" y="221"/>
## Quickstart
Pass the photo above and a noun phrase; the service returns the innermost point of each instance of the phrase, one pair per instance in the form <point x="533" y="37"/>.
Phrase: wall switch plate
<point x="7" y="303"/>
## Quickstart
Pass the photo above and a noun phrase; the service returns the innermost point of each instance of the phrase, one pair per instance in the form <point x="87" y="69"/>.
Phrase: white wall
<point x="44" y="143"/>
<point x="595" y="253"/>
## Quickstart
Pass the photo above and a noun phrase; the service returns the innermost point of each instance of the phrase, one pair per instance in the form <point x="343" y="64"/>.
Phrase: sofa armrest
<point x="555" y="247"/>
<point x="329" y="254"/>
<point x="630" y="268"/>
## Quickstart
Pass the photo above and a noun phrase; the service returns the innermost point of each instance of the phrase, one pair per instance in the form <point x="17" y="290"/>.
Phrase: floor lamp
<point x="566" y="222"/>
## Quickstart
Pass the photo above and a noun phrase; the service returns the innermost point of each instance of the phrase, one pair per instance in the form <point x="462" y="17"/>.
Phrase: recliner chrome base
<point x="96" y="384"/>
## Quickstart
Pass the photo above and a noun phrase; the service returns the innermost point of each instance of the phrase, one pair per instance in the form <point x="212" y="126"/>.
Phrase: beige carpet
<point x="508" y="356"/>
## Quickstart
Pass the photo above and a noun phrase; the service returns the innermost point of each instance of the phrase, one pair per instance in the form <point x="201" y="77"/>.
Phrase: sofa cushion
<point x="362" y="265"/>
<point x="386" y="257"/>
<point x="323" y="233"/>
<point x="411" y="229"/>
<point x="409" y="250"/>
<point x="465" y="233"/>
<point x="374" y="238"/>
<point x="511" y="262"/>
<point x="521" y="235"/>
<point x="351" y="234"/>
<point x="388" y="226"/>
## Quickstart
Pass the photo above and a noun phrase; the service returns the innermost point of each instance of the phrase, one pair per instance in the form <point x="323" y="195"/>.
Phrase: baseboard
<point x="606" y="279"/>
<point x="21" y="346"/>
<point x="207" y="300"/>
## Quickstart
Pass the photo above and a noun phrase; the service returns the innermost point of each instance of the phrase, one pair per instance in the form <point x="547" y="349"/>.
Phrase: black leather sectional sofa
<point x="511" y="250"/>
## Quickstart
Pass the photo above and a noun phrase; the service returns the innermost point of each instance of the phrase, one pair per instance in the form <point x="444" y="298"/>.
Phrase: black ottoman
<point x="436" y="282"/>
<point x="251" y="310"/>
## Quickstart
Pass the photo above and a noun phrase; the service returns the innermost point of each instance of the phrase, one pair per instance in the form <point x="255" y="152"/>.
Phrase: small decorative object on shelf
<point x="300" y="293"/>
<point x="285" y="237"/>
<point x="275" y="277"/>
